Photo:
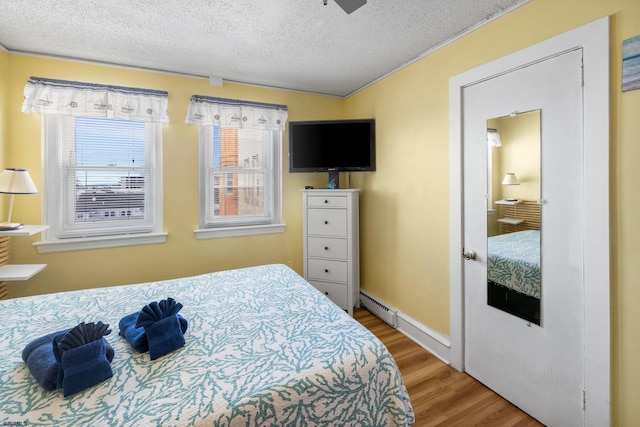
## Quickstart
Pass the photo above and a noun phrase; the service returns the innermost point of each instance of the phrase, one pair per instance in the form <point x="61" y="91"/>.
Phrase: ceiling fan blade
<point x="350" y="5"/>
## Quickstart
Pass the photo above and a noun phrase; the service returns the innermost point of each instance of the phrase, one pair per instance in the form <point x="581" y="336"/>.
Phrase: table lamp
<point x="15" y="181"/>
<point x="510" y="179"/>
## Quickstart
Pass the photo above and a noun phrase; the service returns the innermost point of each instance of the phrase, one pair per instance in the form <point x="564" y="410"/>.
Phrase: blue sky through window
<point x="109" y="142"/>
<point x="108" y="149"/>
<point x="216" y="146"/>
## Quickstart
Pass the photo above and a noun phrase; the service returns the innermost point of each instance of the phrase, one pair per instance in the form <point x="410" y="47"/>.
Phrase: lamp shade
<point x="493" y="138"/>
<point x="510" y="179"/>
<point x="16" y="181"/>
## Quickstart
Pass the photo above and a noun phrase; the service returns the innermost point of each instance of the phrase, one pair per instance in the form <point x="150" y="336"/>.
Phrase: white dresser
<point x="331" y="244"/>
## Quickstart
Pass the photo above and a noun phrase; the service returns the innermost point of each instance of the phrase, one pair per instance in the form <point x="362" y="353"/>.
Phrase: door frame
<point x="593" y="40"/>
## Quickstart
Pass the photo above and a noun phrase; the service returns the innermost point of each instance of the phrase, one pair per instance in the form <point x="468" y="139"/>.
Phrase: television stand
<point x="334" y="180"/>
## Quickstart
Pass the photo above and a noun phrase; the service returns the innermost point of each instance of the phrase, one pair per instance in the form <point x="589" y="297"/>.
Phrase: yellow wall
<point x="405" y="203"/>
<point x="520" y="153"/>
<point x="182" y="254"/>
<point x="4" y="127"/>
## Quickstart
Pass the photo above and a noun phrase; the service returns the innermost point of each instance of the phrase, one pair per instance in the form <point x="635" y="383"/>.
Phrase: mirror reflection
<point x="513" y="244"/>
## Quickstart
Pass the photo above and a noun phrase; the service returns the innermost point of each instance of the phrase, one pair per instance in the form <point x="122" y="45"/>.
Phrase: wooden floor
<point x="440" y="395"/>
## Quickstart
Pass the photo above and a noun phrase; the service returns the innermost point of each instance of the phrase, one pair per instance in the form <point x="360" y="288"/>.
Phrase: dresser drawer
<point x="339" y="294"/>
<point x="327" y="222"/>
<point x="330" y="271"/>
<point x="326" y="247"/>
<point x="327" y="201"/>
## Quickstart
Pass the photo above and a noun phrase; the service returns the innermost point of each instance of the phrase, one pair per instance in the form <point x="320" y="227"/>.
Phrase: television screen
<point x="324" y="146"/>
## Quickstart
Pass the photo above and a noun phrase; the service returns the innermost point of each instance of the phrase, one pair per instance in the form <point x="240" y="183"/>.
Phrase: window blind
<point x="104" y="167"/>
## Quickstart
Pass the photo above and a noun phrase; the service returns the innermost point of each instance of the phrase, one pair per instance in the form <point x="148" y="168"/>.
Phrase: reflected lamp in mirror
<point x="509" y="180"/>
<point x="493" y="138"/>
<point x="15" y="181"/>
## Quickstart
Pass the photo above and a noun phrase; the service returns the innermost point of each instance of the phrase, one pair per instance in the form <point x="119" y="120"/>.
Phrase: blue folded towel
<point x="40" y="357"/>
<point x="83" y="359"/>
<point x="164" y="336"/>
<point x="157" y="328"/>
<point x="137" y="337"/>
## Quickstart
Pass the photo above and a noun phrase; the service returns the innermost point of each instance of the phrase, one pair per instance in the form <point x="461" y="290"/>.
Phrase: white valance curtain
<point x="231" y="113"/>
<point x="49" y="96"/>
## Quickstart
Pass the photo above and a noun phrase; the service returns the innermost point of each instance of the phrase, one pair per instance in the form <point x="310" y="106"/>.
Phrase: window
<point x="102" y="165"/>
<point x="102" y="177"/>
<point x="240" y="156"/>
<point x="239" y="178"/>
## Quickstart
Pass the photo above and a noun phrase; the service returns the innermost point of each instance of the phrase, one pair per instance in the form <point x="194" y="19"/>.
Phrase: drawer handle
<point x="326" y="248"/>
<point x="326" y="293"/>
<point x="326" y="201"/>
<point x="326" y="270"/>
<point x="326" y="222"/>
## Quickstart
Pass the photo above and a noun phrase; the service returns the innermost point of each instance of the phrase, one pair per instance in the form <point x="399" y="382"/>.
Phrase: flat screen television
<point x="332" y="146"/>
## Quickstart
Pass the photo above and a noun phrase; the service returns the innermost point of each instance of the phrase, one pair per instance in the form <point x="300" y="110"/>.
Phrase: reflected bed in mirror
<point x="513" y="235"/>
<point x="513" y="274"/>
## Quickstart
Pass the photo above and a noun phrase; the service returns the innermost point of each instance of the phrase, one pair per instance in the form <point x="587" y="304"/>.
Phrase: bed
<point x="513" y="273"/>
<point x="263" y="347"/>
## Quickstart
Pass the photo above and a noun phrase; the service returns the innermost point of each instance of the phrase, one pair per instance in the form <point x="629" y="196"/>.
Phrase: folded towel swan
<point x="157" y="328"/>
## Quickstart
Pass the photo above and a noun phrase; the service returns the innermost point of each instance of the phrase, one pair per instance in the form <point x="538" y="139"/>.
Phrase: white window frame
<point x="52" y="240"/>
<point x="248" y="226"/>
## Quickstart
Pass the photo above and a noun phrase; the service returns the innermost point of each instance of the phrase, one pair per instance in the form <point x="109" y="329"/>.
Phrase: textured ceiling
<point x="291" y="44"/>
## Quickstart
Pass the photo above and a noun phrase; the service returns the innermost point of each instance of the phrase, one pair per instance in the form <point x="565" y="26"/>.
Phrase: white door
<point x="539" y="368"/>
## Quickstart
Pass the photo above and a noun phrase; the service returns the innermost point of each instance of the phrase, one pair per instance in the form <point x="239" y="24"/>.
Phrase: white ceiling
<point x="290" y="44"/>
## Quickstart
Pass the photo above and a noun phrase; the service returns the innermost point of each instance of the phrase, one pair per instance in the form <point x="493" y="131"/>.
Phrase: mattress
<point x="514" y="261"/>
<point x="263" y="347"/>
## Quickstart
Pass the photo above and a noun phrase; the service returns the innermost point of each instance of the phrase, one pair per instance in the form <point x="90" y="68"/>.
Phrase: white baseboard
<point x="430" y="340"/>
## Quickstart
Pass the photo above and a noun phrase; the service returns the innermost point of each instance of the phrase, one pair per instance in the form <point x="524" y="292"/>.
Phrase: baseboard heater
<point x="378" y="309"/>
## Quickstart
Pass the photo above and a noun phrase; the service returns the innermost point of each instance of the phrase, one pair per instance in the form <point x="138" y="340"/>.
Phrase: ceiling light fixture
<point x="348" y="6"/>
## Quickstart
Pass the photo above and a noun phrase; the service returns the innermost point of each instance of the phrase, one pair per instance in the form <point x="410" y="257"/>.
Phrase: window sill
<point x="249" y="230"/>
<point x="101" y="242"/>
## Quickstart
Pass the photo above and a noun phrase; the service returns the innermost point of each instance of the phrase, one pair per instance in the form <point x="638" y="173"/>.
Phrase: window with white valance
<point x="232" y="113"/>
<point x="102" y="163"/>
<point x="240" y="165"/>
<point x="50" y="96"/>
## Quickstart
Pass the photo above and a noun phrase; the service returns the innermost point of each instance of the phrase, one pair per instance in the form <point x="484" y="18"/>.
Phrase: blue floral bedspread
<point x="263" y="347"/>
<point x="514" y="261"/>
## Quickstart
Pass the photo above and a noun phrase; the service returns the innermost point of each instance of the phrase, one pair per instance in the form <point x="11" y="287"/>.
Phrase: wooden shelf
<point x="27" y="230"/>
<point x="14" y="272"/>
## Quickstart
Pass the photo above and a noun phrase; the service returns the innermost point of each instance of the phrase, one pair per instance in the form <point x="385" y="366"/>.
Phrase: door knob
<point x="469" y="255"/>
